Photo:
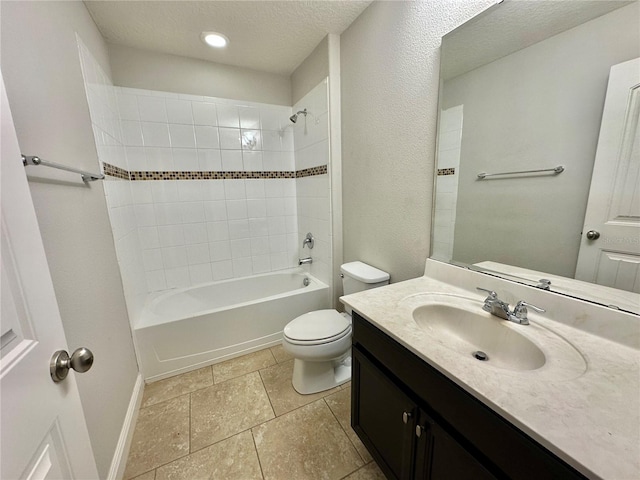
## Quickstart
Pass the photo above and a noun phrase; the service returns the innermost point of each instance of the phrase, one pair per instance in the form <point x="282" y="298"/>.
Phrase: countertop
<point x="592" y="421"/>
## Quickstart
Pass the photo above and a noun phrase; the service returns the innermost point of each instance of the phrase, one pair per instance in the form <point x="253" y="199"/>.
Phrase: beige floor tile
<point x="284" y="398"/>
<point x="280" y="355"/>
<point x="161" y="436"/>
<point x="340" y="405"/>
<point x="232" y="459"/>
<point x="147" y="476"/>
<point x="370" y="471"/>
<point x="162" y="390"/>
<point x="228" y="408"/>
<point x="307" y="443"/>
<point x="237" y="367"/>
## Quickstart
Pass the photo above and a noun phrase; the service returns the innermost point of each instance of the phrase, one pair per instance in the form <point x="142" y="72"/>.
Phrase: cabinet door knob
<point x="419" y="431"/>
<point x="405" y="417"/>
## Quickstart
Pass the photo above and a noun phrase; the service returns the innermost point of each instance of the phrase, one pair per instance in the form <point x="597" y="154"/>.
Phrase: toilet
<point x="320" y="341"/>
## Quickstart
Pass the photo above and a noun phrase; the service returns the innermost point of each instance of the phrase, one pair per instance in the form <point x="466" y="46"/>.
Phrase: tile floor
<point x="242" y="420"/>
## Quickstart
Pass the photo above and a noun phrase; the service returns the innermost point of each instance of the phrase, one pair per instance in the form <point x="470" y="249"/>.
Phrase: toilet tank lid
<point x="363" y="272"/>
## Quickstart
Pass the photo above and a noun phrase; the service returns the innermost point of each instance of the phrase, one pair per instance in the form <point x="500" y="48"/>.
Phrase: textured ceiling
<point x="512" y="26"/>
<point x="271" y="36"/>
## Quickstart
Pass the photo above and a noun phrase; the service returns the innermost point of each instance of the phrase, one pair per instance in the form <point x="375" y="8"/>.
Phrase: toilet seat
<point x="318" y="327"/>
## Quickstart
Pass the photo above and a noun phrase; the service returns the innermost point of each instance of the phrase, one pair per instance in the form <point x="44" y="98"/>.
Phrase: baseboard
<point x="119" y="462"/>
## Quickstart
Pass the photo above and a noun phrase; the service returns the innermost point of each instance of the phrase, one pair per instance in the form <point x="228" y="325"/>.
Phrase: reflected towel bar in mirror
<point x="556" y="170"/>
<point x="86" y="176"/>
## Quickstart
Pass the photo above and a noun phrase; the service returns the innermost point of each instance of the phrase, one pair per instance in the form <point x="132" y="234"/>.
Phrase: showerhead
<point x="294" y="117"/>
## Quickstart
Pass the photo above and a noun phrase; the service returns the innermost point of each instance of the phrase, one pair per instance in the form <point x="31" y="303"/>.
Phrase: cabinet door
<point x="383" y="417"/>
<point x="451" y="461"/>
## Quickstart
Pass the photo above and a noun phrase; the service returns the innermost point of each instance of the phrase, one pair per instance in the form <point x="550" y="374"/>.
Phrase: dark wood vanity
<point x="418" y="424"/>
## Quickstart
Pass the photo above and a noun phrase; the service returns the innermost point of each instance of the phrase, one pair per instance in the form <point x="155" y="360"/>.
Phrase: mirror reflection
<point x="538" y="156"/>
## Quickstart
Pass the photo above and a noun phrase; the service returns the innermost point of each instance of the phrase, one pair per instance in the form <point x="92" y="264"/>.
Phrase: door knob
<point x="81" y="360"/>
<point x="405" y="417"/>
<point x="593" y="235"/>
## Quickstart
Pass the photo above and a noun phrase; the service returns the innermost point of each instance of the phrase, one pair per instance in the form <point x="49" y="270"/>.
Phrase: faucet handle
<point x="520" y="312"/>
<point x="492" y="295"/>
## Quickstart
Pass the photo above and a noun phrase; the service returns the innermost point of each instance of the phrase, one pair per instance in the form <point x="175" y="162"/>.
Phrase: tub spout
<point x="304" y="261"/>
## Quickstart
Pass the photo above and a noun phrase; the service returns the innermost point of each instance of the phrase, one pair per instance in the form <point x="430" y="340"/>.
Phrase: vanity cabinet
<point x="418" y="424"/>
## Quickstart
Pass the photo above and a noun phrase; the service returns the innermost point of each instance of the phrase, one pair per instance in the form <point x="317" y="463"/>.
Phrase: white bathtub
<point x="187" y="328"/>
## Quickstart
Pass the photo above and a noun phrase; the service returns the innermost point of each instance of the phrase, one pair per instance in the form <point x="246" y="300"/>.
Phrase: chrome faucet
<point x="304" y="261"/>
<point x="497" y="307"/>
<point x="308" y="240"/>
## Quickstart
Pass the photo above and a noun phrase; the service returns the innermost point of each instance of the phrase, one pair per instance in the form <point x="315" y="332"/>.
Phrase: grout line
<point x="256" y="449"/>
<point x="347" y="435"/>
<point x="268" y="396"/>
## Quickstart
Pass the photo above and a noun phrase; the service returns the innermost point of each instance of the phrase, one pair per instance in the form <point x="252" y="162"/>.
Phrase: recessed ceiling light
<point x="214" y="39"/>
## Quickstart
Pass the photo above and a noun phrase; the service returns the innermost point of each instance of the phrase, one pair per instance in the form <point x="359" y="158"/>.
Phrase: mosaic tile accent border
<point x="114" y="171"/>
<point x="118" y="172"/>
<point x="309" y="172"/>
<point x="446" y="171"/>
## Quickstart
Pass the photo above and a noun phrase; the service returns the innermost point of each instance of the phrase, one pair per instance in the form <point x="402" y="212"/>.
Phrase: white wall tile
<point x="152" y="109"/>
<point x="195" y="233"/>
<point x="230" y="138"/>
<point x="132" y="133"/>
<point x="173" y="257"/>
<point x="200" y="273"/>
<point x="209" y="160"/>
<point x="255" y="189"/>
<point x="256" y="208"/>
<point x="228" y="116"/>
<point x="231" y="160"/>
<point x="177" y="277"/>
<point x="261" y="264"/>
<point x="179" y="111"/>
<point x="182" y="136"/>
<point x="206" y="137"/>
<point x="242" y="267"/>
<point x="234" y="189"/>
<point x="171" y="235"/>
<point x="215" y="210"/>
<point x="152" y="259"/>
<point x="219" y="251"/>
<point x="238" y="229"/>
<point x="185" y="159"/>
<point x="155" y="134"/>
<point x="156" y="281"/>
<point x="252" y="161"/>
<point x="136" y="159"/>
<point x="222" y="270"/>
<point x="259" y="245"/>
<point x="149" y="237"/>
<point x="258" y="227"/>
<point x="159" y="159"/>
<point x="198" y="253"/>
<point x="236" y="209"/>
<point x="128" y="107"/>
<point x="217" y="231"/>
<point x="249" y="117"/>
<point x="204" y="114"/>
<point x="240" y="248"/>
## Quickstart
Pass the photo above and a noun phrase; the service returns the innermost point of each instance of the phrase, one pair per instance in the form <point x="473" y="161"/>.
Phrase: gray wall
<point x="41" y="69"/>
<point x="135" y="68"/>
<point x="390" y="67"/>
<point x="311" y="71"/>
<point x="536" y="108"/>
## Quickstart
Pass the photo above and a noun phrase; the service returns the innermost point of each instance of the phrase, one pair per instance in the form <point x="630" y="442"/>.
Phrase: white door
<point x="43" y="434"/>
<point x="610" y="247"/>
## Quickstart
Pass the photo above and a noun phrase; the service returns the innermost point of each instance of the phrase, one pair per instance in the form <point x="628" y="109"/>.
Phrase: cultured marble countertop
<point x="592" y="421"/>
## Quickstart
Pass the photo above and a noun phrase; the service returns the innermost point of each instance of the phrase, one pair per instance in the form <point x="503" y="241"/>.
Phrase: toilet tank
<point x="358" y="276"/>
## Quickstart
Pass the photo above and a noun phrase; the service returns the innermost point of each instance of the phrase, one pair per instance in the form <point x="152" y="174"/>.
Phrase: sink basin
<point x="459" y="324"/>
<point x="469" y="332"/>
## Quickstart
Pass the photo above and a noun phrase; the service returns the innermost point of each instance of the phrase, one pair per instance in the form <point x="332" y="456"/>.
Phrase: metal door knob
<point x="593" y="235"/>
<point x="81" y="360"/>
<point x="405" y="417"/>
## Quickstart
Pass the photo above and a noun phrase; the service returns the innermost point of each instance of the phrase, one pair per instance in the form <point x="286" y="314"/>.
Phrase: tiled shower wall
<point x="103" y="107"/>
<point x="311" y="139"/>
<point x="237" y="218"/>
<point x="449" y="145"/>
<point x="195" y="231"/>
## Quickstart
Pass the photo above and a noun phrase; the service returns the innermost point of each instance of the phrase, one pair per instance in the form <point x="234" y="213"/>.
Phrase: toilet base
<point x="314" y="377"/>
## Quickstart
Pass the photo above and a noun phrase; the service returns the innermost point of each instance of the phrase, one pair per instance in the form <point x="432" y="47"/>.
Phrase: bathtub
<point x="187" y="328"/>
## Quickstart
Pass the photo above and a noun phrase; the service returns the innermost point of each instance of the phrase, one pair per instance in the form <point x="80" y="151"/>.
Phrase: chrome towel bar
<point x="555" y="170"/>
<point x="86" y="176"/>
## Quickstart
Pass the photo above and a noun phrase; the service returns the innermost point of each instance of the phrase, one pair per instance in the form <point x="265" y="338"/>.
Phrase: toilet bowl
<point x="320" y="341"/>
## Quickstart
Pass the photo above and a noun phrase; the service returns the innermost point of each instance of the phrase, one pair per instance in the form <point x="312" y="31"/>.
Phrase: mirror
<point x="523" y="89"/>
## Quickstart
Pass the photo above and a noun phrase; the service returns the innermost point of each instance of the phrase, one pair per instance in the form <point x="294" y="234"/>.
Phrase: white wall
<point x="171" y="73"/>
<point x="311" y="71"/>
<point x="41" y="68"/>
<point x="389" y="67"/>
<point x="546" y="100"/>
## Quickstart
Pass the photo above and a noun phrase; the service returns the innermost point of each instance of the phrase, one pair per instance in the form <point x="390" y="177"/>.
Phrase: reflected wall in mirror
<point x="523" y="88"/>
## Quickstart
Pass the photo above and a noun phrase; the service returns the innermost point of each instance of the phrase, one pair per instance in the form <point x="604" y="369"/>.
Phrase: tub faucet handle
<point x="308" y="240"/>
